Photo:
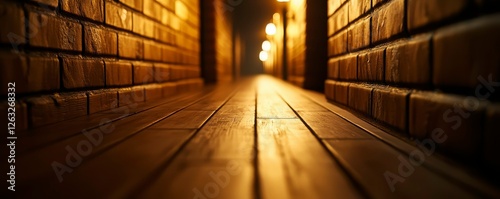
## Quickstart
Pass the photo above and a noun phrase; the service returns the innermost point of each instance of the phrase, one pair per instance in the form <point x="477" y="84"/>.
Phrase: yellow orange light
<point x="263" y="56"/>
<point x="270" y="29"/>
<point x="266" y="45"/>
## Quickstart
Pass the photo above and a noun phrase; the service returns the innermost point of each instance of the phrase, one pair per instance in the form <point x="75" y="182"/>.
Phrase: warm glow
<point x="263" y="56"/>
<point x="276" y="16"/>
<point x="266" y="45"/>
<point x="283" y="0"/>
<point x="270" y="29"/>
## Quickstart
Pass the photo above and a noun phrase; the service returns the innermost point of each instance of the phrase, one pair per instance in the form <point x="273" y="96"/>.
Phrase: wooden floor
<point x="260" y="138"/>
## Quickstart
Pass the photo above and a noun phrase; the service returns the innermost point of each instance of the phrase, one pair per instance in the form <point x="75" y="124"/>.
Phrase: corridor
<point x="260" y="138"/>
<point x="250" y="99"/>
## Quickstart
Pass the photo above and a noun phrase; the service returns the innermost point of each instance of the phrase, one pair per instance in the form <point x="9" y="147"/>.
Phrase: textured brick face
<point x="118" y="16"/>
<point x="92" y="9"/>
<point x="359" y="35"/>
<point x="371" y="65"/>
<point x="100" y="41"/>
<point x="82" y="73"/>
<point x="53" y="32"/>
<point x="12" y="16"/>
<point x="425" y="12"/>
<point x="409" y="62"/>
<point x="118" y="73"/>
<point x="388" y="21"/>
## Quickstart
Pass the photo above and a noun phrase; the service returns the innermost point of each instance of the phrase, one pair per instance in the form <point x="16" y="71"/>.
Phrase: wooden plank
<point x="223" y="179"/>
<point x="293" y="164"/>
<point x="327" y="125"/>
<point x="369" y="160"/>
<point x="271" y="106"/>
<point x="184" y="119"/>
<point x="298" y="102"/>
<point x="116" y="172"/>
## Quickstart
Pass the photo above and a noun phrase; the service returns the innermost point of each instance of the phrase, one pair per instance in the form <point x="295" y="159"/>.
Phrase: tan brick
<point x="102" y="100"/>
<point x="130" y="47"/>
<point x="330" y="89"/>
<point x="138" y="25"/>
<point x="170" y="4"/>
<point x="339" y="20"/>
<point x="338" y="44"/>
<point x="55" y="108"/>
<point x="467" y="51"/>
<point x="52" y="3"/>
<point x="388" y="21"/>
<point x="153" y="92"/>
<point x="118" y="73"/>
<point x="341" y="92"/>
<point x="360" y="98"/>
<point x="143" y="73"/>
<point x="118" y="16"/>
<point x="162" y="73"/>
<point x="92" y="9"/>
<point x="371" y="65"/>
<point x="169" y="89"/>
<point x="333" y="5"/>
<point x="450" y="114"/>
<point x="80" y="73"/>
<point x="491" y="137"/>
<point x="13" y="29"/>
<point x="31" y="74"/>
<point x="130" y="96"/>
<point x="390" y="107"/>
<point x="149" y="28"/>
<point x="333" y="69"/>
<point x="424" y="12"/>
<point x="359" y="35"/>
<point x="52" y="32"/>
<point x="358" y="8"/>
<point x="348" y="67"/>
<point x="152" y="9"/>
<point x="135" y="4"/>
<point x="152" y="51"/>
<point x="409" y="62"/>
<point x="100" y="41"/>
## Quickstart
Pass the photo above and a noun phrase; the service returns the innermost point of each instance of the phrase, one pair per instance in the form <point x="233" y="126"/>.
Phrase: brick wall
<point x="306" y="45"/>
<point x="217" y="41"/>
<point x="71" y="58"/>
<point x="420" y="66"/>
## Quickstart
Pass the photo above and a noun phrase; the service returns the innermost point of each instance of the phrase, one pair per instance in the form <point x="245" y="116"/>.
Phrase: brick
<point x="168" y="53"/>
<point x="339" y="20"/>
<point x="377" y="2"/>
<point x="425" y="12"/>
<point x="55" y="108"/>
<point x="12" y="17"/>
<point x="31" y="74"/>
<point x="152" y="51"/>
<point x="333" y="5"/>
<point x="130" y="47"/>
<point x="143" y="73"/>
<point x="149" y="28"/>
<point x="491" y="138"/>
<point x="409" y="62"/>
<point x="333" y="69"/>
<point x="102" y="100"/>
<point x="52" y="3"/>
<point x="92" y="9"/>
<point x="170" y="4"/>
<point x="100" y="41"/>
<point x="169" y="89"/>
<point x="359" y="35"/>
<point x="181" y="10"/>
<point x="467" y="51"/>
<point x="330" y="89"/>
<point x="130" y="96"/>
<point x="138" y="25"/>
<point x="152" y="9"/>
<point x="165" y="16"/>
<point x="451" y="114"/>
<point x="79" y="73"/>
<point x="118" y="16"/>
<point x="53" y="32"/>
<point x="153" y="92"/>
<point x="358" y="8"/>
<point x="388" y="21"/>
<point x="135" y="4"/>
<point x="338" y="44"/>
<point x="162" y="73"/>
<point x="371" y="66"/>
<point x="341" y="92"/>
<point x="118" y="73"/>
<point x="360" y="98"/>
<point x="348" y="67"/>
<point x="390" y="107"/>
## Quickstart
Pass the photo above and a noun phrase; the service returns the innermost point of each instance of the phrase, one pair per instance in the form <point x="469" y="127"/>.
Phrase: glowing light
<point x="276" y="16"/>
<point x="283" y="0"/>
<point x="270" y="29"/>
<point x="266" y="45"/>
<point x="263" y="56"/>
